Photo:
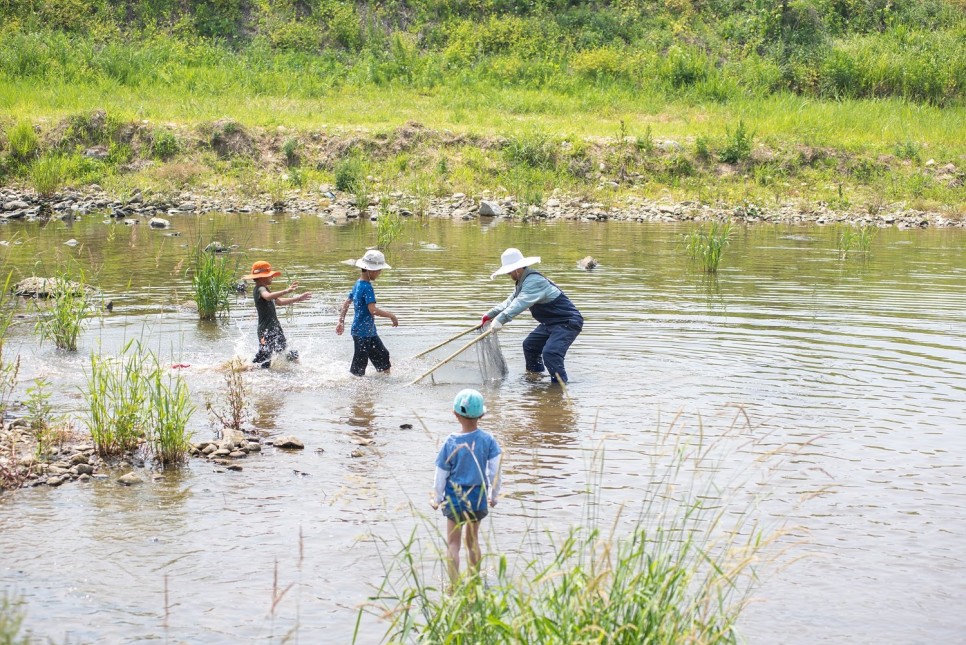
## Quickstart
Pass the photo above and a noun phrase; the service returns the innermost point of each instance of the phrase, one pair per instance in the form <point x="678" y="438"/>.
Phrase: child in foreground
<point x="368" y="346"/>
<point x="467" y="473"/>
<point x="271" y="340"/>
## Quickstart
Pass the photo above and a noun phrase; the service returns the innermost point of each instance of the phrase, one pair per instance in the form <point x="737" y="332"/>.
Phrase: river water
<point x="846" y="377"/>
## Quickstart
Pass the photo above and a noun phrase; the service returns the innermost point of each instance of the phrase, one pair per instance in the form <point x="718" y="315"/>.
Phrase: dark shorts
<point x="465" y="516"/>
<point x="270" y="344"/>
<point x="369" y="349"/>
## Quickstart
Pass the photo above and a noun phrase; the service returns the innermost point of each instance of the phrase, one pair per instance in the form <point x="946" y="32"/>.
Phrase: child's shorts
<point x="464" y="516"/>
<point x="369" y="349"/>
<point x="272" y="343"/>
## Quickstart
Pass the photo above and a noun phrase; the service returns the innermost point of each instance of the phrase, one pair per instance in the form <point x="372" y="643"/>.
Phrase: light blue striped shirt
<point x="535" y="290"/>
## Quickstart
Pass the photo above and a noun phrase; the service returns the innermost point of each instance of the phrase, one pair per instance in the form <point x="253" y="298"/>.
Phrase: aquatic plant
<point x="856" y="237"/>
<point x="388" y="225"/>
<point x="47" y="431"/>
<point x="61" y="317"/>
<point x="9" y="369"/>
<point x="680" y="573"/>
<point x="131" y="399"/>
<point x="707" y="245"/>
<point x="116" y="396"/>
<point x="11" y="621"/>
<point x="170" y="409"/>
<point x="234" y="415"/>
<point x="212" y="282"/>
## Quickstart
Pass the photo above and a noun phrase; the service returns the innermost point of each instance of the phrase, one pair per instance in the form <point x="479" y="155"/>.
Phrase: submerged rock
<point x="587" y="263"/>
<point x="129" y="479"/>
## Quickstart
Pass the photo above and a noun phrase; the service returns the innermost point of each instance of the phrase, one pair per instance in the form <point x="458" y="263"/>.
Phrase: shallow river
<point x="847" y="378"/>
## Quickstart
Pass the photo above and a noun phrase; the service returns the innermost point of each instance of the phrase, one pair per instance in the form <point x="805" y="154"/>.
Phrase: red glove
<point x="485" y="320"/>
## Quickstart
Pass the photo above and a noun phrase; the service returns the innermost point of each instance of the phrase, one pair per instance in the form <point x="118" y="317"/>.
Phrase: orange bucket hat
<point x="262" y="269"/>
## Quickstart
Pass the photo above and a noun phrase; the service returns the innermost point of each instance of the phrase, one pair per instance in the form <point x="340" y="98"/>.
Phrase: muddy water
<point x="856" y="368"/>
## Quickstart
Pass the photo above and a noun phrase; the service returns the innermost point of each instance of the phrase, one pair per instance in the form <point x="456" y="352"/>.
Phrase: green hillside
<point x="855" y="102"/>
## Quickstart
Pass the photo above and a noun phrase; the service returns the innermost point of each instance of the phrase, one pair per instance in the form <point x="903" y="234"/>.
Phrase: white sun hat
<point x="373" y="260"/>
<point x="512" y="260"/>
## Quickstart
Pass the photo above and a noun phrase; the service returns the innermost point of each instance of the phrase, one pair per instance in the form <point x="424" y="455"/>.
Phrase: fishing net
<point x="481" y="363"/>
<point x="490" y="356"/>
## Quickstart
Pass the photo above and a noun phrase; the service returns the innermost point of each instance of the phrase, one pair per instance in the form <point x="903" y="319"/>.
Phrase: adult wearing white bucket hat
<point x="560" y="321"/>
<point x="368" y="346"/>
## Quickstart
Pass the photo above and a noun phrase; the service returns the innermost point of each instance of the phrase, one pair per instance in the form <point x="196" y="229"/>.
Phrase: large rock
<point x="490" y="209"/>
<point x="157" y="222"/>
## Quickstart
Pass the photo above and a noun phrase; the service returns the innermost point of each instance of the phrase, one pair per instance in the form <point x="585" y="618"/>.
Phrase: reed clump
<point x="212" y="282"/>
<point x="132" y="400"/>
<point x="61" y="318"/>
<point x="856" y="238"/>
<point x="170" y="409"/>
<point x="708" y="244"/>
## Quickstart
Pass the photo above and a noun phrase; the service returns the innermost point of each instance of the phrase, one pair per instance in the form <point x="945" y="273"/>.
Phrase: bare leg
<point x="453" y="550"/>
<point x="473" y="545"/>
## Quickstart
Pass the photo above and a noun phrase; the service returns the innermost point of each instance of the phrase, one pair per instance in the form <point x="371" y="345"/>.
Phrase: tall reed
<point x="708" y="245"/>
<point x="116" y="398"/>
<point x="212" y="282"/>
<point x="859" y="238"/>
<point x="170" y="409"/>
<point x="132" y="399"/>
<point x="62" y="317"/>
<point x="11" y="621"/>
<point x="388" y="226"/>
<point x="9" y="368"/>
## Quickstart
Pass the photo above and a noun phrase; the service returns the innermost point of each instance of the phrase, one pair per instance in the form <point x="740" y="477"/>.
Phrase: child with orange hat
<point x="271" y="340"/>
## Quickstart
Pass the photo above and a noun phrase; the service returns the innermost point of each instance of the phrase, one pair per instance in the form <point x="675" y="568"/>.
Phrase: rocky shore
<point x="75" y="460"/>
<point x="339" y="208"/>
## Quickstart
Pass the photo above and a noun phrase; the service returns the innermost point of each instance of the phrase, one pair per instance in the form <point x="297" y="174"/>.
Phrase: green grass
<point x="856" y="238"/>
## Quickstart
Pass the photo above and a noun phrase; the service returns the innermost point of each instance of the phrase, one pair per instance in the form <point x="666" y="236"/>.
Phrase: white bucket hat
<point x="512" y="260"/>
<point x="373" y="261"/>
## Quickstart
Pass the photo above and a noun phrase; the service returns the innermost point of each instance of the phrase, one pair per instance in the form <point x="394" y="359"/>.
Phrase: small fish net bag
<point x="490" y="357"/>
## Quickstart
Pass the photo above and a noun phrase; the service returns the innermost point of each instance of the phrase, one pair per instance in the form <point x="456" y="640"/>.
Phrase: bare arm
<point x="340" y="327"/>
<point x="277" y="295"/>
<point x="376" y="311"/>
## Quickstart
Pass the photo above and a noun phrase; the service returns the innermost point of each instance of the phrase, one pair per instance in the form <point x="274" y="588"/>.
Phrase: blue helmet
<point x="469" y="403"/>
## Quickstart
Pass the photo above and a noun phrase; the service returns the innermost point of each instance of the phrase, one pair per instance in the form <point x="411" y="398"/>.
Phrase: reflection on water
<point x="857" y="364"/>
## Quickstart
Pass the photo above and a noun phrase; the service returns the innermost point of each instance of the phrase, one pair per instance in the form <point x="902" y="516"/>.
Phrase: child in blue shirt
<point x="467" y="478"/>
<point x="368" y="345"/>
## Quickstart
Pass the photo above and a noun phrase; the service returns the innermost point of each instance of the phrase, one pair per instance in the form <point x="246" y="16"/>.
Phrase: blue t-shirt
<point x="363" y="324"/>
<point x="465" y="455"/>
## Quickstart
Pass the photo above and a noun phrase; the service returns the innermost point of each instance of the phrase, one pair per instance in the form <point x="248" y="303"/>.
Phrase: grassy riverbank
<point x="852" y="106"/>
